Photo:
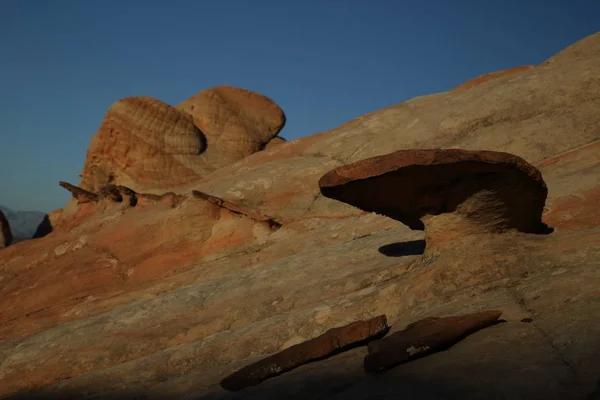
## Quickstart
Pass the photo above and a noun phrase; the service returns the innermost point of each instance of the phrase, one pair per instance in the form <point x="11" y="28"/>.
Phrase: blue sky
<point x="63" y="63"/>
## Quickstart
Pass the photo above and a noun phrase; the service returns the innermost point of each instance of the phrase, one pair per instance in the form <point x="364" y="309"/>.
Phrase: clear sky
<point x="64" y="62"/>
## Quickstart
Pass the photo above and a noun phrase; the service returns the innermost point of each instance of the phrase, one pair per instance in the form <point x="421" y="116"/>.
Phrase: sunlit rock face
<point x="166" y="298"/>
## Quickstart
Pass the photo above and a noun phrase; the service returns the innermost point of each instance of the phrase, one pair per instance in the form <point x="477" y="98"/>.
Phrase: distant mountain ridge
<point x="22" y="223"/>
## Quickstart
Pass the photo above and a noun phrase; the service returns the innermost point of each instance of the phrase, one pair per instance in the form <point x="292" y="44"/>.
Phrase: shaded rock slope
<point x="162" y="289"/>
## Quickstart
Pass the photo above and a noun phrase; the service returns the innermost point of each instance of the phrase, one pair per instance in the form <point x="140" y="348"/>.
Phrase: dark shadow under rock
<point x="402" y="249"/>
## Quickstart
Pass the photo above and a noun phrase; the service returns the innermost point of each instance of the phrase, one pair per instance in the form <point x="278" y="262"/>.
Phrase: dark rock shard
<point x="82" y="195"/>
<point x="111" y="192"/>
<point x="331" y="342"/>
<point x="425" y="337"/>
<point x="272" y="222"/>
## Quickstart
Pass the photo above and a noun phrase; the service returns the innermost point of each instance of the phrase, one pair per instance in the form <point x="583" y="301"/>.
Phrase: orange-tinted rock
<point x="92" y="249"/>
<point x="5" y="232"/>
<point x="425" y="337"/>
<point x="332" y="341"/>
<point x="144" y="144"/>
<point x="493" y="75"/>
<point x="276" y="141"/>
<point x="488" y="191"/>
<point x="236" y="122"/>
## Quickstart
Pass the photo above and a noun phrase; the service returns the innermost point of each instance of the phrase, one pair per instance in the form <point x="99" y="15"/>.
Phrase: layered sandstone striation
<point x="167" y="298"/>
<point x="236" y="122"/>
<point x="146" y="144"/>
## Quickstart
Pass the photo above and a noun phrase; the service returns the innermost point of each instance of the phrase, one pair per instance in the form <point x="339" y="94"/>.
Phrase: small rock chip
<point x="332" y="341"/>
<point x="424" y="337"/>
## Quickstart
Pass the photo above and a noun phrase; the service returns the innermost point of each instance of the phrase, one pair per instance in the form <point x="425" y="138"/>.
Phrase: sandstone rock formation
<point x="333" y="341"/>
<point x="236" y="122"/>
<point x="164" y="299"/>
<point x="5" y="232"/>
<point x="146" y="144"/>
<point x="425" y="337"/>
<point x="493" y="75"/>
<point x="152" y="147"/>
<point x="449" y="193"/>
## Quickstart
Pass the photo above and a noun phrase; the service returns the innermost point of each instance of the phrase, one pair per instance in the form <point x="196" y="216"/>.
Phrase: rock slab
<point x="332" y="341"/>
<point x="408" y="185"/>
<point x="425" y="337"/>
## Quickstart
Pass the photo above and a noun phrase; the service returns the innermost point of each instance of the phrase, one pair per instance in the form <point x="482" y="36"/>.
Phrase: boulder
<point x="236" y="122"/>
<point x="145" y="144"/>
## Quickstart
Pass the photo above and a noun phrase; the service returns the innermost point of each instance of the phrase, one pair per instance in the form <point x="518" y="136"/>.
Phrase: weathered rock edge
<point x="408" y="185"/>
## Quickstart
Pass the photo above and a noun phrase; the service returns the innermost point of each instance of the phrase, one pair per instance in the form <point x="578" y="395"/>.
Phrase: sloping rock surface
<point x="164" y="300"/>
